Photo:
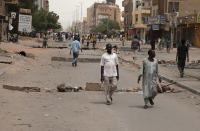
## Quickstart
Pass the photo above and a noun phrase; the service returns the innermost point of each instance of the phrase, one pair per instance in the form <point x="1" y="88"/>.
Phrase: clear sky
<point x="67" y="9"/>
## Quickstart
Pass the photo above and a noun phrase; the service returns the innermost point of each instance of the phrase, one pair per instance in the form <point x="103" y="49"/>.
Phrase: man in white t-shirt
<point x="109" y="73"/>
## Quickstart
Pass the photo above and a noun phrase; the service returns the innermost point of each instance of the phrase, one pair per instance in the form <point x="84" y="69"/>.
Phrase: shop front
<point x="189" y="29"/>
<point x="158" y="27"/>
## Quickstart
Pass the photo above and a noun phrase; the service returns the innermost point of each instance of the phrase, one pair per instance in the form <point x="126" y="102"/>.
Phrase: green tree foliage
<point x="106" y="26"/>
<point x="43" y="20"/>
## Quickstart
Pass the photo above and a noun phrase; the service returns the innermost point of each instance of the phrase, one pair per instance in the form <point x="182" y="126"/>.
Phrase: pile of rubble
<point x="63" y="88"/>
<point x="194" y="63"/>
<point x="129" y="90"/>
<point x="173" y="62"/>
<point x="170" y="62"/>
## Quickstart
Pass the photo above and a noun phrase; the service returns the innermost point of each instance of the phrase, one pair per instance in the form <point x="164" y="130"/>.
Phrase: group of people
<point x="149" y="70"/>
<point x="90" y="39"/>
<point x="110" y="72"/>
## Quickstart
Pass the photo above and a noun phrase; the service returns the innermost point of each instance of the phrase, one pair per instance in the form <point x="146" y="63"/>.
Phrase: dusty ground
<point x="21" y="111"/>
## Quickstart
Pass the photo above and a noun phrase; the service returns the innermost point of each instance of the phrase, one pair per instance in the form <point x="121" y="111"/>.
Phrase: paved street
<point x="53" y="111"/>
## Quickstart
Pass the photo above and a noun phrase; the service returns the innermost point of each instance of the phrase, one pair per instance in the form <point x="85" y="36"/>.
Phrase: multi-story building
<point x="140" y="17"/>
<point x="4" y="18"/>
<point x="99" y="11"/>
<point x="182" y="19"/>
<point x="127" y="15"/>
<point x="42" y="4"/>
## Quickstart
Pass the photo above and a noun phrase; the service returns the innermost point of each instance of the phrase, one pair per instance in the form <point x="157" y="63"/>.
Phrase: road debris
<point x="165" y="88"/>
<point x="63" y="88"/>
<point x="23" y="53"/>
<point x="129" y="90"/>
<point x="25" y="89"/>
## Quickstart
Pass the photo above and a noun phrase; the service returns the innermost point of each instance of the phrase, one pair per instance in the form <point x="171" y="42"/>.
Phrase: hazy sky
<point x="66" y="9"/>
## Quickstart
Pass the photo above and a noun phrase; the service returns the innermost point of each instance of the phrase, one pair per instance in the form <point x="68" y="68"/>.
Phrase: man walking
<point x="45" y="40"/>
<point x="182" y="53"/>
<point x="109" y="73"/>
<point x="76" y="46"/>
<point x="150" y="73"/>
<point x="135" y="44"/>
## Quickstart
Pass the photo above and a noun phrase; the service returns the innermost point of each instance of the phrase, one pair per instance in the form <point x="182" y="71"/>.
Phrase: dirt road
<point x="85" y="111"/>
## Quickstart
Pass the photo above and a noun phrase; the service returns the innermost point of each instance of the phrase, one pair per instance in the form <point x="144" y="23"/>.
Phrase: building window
<point x="173" y="7"/>
<point x="136" y="18"/>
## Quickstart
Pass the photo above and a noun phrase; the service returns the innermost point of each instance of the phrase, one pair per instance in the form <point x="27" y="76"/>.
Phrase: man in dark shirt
<point x="182" y="53"/>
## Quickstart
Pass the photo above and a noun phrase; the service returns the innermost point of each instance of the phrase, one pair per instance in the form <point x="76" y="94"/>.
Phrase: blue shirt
<point x="168" y="42"/>
<point x="76" y="46"/>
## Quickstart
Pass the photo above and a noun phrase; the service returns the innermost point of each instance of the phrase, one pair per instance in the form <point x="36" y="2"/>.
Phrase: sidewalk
<point x="169" y="72"/>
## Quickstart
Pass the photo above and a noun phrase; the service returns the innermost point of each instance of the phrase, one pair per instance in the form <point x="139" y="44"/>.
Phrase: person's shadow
<point x="98" y="102"/>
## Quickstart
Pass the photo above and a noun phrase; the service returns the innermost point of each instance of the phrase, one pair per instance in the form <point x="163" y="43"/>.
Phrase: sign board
<point x="163" y="19"/>
<point x="25" y="23"/>
<point x="155" y="27"/>
<point x="160" y="19"/>
<point x="153" y="20"/>
<point x="13" y="15"/>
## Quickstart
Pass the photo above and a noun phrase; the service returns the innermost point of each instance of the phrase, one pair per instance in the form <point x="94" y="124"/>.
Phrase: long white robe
<point x="150" y="72"/>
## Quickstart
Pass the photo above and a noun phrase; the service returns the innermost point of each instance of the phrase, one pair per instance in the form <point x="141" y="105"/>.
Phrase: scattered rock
<point x="63" y="88"/>
<point x="23" y="53"/>
<point x="25" y="89"/>
<point x="130" y="90"/>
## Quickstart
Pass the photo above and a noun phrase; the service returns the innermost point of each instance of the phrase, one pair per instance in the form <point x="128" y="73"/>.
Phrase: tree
<point x="106" y="26"/>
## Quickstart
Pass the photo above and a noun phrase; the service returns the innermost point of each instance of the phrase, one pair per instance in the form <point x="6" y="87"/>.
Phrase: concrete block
<point x="18" y="88"/>
<point x="93" y="87"/>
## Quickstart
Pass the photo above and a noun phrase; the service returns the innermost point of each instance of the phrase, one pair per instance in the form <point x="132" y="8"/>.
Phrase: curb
<point x="181" y="85"/>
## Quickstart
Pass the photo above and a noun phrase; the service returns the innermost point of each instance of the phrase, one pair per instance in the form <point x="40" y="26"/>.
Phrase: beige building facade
<point x="99" y="11"/>
<point x="140" y="17"/>
<point x="127" y="15"/>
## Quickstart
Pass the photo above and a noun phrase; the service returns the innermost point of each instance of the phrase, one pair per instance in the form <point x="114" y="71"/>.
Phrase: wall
<point x="188" y="7"/>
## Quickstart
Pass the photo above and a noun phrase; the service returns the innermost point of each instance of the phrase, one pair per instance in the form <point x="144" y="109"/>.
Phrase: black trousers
<point x="181" y="65"/>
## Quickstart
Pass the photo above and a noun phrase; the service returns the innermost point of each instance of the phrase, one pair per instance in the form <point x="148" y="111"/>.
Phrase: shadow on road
<point x="98" y="103"/>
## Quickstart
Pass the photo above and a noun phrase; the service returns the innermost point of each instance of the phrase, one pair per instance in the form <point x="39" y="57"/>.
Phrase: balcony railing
<point x="13" y="2"/>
